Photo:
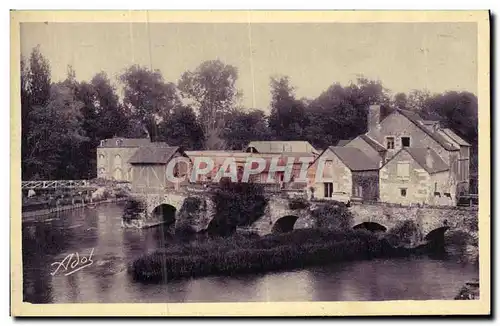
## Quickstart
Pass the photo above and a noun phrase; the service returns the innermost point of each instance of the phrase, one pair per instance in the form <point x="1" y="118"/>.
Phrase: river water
<point x="50" y="239"/>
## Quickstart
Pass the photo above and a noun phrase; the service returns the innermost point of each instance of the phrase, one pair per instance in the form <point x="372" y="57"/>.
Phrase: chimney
<point x="429" y="161"/>
<point x="373" y="117"/>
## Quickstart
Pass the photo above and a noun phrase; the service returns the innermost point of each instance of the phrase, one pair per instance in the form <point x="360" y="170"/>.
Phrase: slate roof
<point x="282" y="146"/>
<point x="153" y="155"/>
<point x="354" y="158"/>
<point x="459" y="140"/>
<point x="420" y="156"/>
<point x="417" y="120"/>
<point x="343" y="142"/>
<point x="373" y="143"/>
<point x="125" y="142"/>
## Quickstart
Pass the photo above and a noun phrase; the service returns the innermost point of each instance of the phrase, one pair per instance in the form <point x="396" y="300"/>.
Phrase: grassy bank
<point x="239" y="254"/>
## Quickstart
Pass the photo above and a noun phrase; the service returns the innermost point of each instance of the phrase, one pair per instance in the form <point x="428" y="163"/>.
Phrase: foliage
<point x="238" y="254"/>
<point x="298" y="203"/>
<point x="243" y="127"/>
<point x="148" y="97"/>
<point x="236" y="204"/>
<point x="288" y="117"/>
<point x="63" y="123"/>
<point x="133" y="208"/>
<point x="182" y="129"/>
<point x="332" y="215"/>
<point x="403" y="233"/>
<point x="211" y="88"/>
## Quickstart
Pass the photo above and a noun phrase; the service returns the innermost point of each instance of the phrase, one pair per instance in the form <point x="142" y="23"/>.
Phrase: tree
<point x="211" y="89"/>
<point x="341" y="112"/>
<point x="458" y="111"/>
<point x="417" y="99"/>
<point x="103" y="116"/>
<point x="182" y="129"/>
<point x="35" y="94"/>
<point x="243" y="127"/>
<point x="55" y="132"/>
<point x="401" y="101"/>
<point x="148" y="97"/>
<point x="288" y="118"/>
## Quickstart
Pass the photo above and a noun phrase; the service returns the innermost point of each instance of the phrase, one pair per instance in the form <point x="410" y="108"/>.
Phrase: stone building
<point x="403" y="129"/>
<point x="344" y="170"/>
<point x="113" y="155"/>
<point x="417" y="176"/>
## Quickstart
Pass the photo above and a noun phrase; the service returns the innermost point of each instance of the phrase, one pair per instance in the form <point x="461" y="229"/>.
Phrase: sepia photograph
<point x="250" y="157"/>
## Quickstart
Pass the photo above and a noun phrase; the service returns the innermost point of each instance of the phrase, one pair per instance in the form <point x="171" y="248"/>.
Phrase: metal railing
<point x="52" y="184"/>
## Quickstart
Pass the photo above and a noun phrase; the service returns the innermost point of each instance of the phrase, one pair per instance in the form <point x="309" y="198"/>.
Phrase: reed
<point x="239" y="254"/>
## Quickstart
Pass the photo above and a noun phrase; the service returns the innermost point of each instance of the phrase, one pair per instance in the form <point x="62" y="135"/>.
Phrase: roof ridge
<point x="446" y="145"/>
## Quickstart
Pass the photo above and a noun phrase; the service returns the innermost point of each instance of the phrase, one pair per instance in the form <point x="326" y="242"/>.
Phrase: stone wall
<point x="428" y="218"/>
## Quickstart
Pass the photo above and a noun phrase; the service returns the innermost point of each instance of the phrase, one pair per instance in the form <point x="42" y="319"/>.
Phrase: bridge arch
<point x="437" y="235"/>
<point x="370" y="226"/>
<point x="166" y="213"/>
<point x="284" y="224"/>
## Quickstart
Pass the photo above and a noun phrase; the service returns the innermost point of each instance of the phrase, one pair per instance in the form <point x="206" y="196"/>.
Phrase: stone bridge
<point x="169" y="207"/>
<point x="383" y="217"/>
<point x="281" y="216"/>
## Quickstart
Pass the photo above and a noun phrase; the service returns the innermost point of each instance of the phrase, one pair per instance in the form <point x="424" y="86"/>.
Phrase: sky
<point x="404" y="56"/>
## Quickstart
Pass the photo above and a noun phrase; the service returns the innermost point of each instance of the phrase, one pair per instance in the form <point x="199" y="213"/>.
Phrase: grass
<point x="239" y="254"/>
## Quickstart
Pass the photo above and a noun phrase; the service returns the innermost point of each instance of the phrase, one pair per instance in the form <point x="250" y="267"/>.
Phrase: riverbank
<point x="58" y="209"/>
<point x="240" y="254"/>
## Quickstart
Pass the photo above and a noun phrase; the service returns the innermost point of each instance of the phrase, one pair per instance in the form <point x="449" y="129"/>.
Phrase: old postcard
<point x="250" y="163"/>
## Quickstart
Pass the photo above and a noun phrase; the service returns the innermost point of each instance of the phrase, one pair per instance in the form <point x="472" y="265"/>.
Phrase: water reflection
<point x="106" y="280"/>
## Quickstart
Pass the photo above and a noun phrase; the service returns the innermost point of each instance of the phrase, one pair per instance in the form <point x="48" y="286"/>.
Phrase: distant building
<point x="149" y="168"/>
<point x="420" y="161"/>
<point x="113" y="155"/>
<point x="406" y="129"/>
<point x="278" y="147"/>
<point x="344" y="170"/>
<point x="417" y="176"/>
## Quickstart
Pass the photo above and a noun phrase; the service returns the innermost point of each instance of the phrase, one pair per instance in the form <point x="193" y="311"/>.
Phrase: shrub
<point x="333" y="215"/>
<point x="240" y="254"/>
<point x="298" y="203"/>
<point x="403" y="233"/>
<point x="133" y="208"/>
<point x="236" y="204"/>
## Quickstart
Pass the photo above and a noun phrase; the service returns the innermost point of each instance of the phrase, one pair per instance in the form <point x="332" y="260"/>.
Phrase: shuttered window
<point x="404" y="170"/>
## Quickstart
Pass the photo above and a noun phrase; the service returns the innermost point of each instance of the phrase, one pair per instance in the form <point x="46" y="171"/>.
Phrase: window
<point x="101" y="156"/>
<point x="402" y="192"/>
<point x="118" y="161"/>
<point x="389" y="142"/>
<point x="102" y="143"/>
<point x="358" y="191"/>
<point x="118" y="142"/>
<point x="404" y="170"/>
<point x="328" y="189"/>
<point x="405" y="141"/>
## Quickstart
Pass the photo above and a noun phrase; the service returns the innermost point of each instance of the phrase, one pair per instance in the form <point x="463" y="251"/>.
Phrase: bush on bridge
<point x="133" y="208"/>
<point x="333" y="215"/>
<point x="236" y="204"/>
<point x="190" y="211"/>
<point x="403" y="233"/>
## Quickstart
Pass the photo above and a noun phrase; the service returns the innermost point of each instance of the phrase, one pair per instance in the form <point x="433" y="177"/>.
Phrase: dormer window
<point x="102" y="143"/>
<point x="119" y="142"/>
<point x="389" y="142"/>
<point x="405" y="141"/>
